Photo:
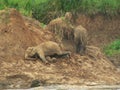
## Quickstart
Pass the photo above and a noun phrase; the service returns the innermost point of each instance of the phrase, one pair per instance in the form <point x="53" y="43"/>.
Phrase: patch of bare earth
<point x="18" y="32"/>
<point x="102" y="31"/>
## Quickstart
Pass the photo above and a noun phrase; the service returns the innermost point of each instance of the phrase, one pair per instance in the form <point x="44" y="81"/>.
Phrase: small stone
<point x="35" y="83"/>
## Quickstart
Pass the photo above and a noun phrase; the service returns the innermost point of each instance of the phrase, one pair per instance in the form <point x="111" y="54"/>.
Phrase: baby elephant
<point x="80" y="39"/>
<point x="48" y="48"/>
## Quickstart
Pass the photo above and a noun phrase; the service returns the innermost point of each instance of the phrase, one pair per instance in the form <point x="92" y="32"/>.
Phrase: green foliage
<point x="54" y="8"/>
<point x="24" y="6"/>
<point x="113" y="48"/>
<point x="100" y="6"/>
<point x="45" y="10"/>
<point x="42" y="25"/>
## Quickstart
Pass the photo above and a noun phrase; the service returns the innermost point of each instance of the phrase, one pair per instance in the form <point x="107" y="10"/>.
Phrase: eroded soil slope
<point x="102" y="30"/>
<point x="18" y="32"/>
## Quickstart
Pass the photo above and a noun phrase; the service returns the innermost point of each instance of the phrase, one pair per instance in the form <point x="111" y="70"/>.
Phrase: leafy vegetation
<point x="54" y="8"/>
<point x="113" y="48"/>
<point x="24" y="6"/>
<point x="45" y="10"/>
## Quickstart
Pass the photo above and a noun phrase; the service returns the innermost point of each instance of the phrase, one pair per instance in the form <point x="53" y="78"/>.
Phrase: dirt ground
<point x="18" y="32"/>
<point x="102" y="31"/>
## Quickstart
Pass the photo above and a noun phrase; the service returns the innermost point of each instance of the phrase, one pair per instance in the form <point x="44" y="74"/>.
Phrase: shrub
<point x="113" y="48"/>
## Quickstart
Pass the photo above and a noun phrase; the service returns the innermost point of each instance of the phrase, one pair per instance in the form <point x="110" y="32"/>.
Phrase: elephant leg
<point x="64" y="54"/>
<point x="82" y="49"/>
<point x="78" y="47"/>
<point x="27" y="57"/>
<point x="42" y="56"/>
<point x="60" y="53"/>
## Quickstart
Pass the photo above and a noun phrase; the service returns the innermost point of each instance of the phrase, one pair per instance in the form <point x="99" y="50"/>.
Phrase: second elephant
<point x="80" y="39"/>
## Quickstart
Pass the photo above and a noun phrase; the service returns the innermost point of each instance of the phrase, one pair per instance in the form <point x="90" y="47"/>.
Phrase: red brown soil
<point x="102" y="31"/>
<point x="18" y="32"/>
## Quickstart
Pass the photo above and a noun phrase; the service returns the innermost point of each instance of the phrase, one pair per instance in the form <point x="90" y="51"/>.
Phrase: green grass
<point x="113" y="48"/>
<point x="100" y="6"/>
<point x="24" y="6"/>
<point x="45" y="10"/>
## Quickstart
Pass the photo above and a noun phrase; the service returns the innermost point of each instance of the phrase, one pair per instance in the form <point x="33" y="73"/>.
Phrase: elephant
<point x="48" y="48"/>
<point x="80" y="39"/>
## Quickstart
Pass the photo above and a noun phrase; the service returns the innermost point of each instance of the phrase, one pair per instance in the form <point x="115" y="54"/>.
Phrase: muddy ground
<point x="18" y="32"/>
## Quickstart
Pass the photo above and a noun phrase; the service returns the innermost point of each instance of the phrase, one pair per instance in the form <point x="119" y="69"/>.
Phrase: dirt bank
<point x="18" y="32"/>
<point x="102" y="31"/>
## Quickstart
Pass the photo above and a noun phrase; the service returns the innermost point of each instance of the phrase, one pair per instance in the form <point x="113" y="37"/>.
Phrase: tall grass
<point x="45" y="10"/>
<point x="24" y="6"/>
<point x="100" y="6"/>
<point x="54" y="8"/>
